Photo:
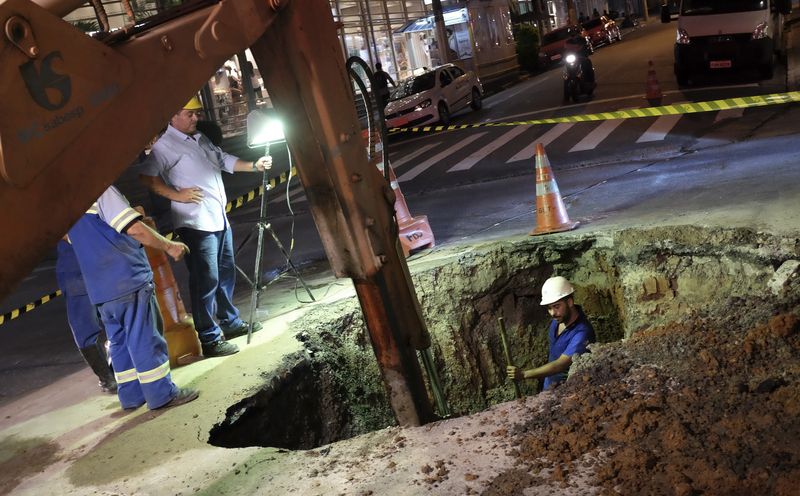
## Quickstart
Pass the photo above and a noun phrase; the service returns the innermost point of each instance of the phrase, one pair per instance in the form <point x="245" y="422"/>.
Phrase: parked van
<point x="717" y="35"/>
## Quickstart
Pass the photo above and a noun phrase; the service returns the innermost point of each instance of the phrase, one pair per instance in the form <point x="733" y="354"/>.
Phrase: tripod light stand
<point x="264" y="130"/>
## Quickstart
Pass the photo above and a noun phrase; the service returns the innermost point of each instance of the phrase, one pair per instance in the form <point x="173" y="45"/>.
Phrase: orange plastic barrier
<point x="182" y="342"/>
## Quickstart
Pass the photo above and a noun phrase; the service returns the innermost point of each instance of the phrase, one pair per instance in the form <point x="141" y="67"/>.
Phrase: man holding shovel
<point x="569" y="334"/>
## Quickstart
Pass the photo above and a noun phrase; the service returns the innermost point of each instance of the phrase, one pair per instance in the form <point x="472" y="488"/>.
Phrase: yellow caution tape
<point x="17" y="312"/>
<point x="680" y="108"/>
<point x="232" y="205"/>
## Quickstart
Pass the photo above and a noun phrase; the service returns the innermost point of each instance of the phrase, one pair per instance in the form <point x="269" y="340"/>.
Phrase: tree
<point x="100" y="13"/>
<point x="126" y="5"/>
<point x="527" y="38"/>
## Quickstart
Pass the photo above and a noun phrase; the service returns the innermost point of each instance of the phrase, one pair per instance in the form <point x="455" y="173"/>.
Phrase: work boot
<point x="241" y="330"/>
<point x="185" y="395"/>
<point x="97" y="361"/>
<point x="219" y="348"/>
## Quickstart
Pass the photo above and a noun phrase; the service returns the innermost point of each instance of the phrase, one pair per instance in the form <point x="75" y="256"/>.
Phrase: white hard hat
<point x="554" y="289"/>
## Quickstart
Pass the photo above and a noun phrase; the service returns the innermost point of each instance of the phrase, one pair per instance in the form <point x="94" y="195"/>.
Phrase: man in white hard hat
<point x="569" y="333"/>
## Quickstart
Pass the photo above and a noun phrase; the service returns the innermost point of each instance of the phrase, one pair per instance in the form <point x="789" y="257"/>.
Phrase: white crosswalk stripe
<point x="420" y="168"/>
<point x="494" y="145"/>
<point x="597" y="135"/>
<point x="529" y="151"/>
<point x="659" y="129"/>
<point x="411" y="156"/>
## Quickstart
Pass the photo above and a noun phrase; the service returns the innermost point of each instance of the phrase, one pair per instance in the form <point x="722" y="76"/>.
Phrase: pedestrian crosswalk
<point x="466" y="150"/>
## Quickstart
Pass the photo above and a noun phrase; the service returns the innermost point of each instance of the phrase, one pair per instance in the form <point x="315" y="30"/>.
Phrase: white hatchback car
<point x="433" y="96"/>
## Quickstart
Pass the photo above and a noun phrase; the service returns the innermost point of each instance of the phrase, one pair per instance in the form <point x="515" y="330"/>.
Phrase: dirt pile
<point x="706" y="406"/>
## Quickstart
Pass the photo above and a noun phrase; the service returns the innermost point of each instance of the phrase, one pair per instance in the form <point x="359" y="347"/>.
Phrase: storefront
<point x="479" y="38"/>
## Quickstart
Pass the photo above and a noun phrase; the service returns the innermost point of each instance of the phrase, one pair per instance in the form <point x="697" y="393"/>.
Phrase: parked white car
<point x="433" y="96"/>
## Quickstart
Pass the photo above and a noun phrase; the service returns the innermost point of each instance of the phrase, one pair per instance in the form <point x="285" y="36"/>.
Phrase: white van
<point x="718" y="35"/>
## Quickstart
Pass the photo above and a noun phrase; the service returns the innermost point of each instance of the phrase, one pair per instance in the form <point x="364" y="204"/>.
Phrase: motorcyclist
<point x="579" y="45"/>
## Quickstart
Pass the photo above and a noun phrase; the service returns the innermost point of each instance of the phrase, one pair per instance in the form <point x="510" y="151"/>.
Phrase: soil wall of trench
<point x="626" y="281"/>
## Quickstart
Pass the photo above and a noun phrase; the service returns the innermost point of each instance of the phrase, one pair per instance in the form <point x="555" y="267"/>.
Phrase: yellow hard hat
<point x="193" y="104"/>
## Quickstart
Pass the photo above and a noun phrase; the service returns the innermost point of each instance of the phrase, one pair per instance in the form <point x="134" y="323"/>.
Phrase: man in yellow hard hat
<point x="185" y="167"/>
<point x="569" y="334"/>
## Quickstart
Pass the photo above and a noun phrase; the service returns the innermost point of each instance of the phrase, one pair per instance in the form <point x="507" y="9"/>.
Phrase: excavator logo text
<point x="39" y="81"/>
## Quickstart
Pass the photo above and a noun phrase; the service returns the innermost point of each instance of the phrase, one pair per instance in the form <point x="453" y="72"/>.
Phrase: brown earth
<point x="701" y="407"/>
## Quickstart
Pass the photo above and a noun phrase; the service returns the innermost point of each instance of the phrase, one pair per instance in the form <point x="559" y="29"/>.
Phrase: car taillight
<point x="423" y="104"/>
<point x="682" y="37"/>
<point x="761" y="31"/>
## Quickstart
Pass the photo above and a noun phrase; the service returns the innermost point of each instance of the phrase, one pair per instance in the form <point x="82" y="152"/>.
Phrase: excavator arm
<point x="77" y="110"/>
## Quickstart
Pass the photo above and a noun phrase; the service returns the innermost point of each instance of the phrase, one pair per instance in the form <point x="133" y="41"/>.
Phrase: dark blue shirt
<point x="113" y="264"/>
<point x="68" y="272"/>
<point x="572" y="341"/>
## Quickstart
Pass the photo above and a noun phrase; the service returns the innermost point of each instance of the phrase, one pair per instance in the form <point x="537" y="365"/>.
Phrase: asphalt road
<point x="730" y="168"/>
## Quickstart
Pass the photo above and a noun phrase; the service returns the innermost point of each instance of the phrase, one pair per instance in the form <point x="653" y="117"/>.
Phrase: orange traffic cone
<point x="183" y="345"/>
<point x="414" y="232"/>
<point x="551" y="215"/>
<point x="653" y="93"/>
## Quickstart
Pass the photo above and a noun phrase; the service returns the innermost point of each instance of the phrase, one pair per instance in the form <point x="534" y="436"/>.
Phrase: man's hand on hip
<point x="189" y="195"/>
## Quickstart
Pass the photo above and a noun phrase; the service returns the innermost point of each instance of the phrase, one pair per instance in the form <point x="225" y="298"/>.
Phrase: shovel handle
<point x="507" y="353"/>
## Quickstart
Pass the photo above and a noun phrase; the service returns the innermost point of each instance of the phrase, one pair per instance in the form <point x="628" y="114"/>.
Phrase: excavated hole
<point x="626" y="281"/>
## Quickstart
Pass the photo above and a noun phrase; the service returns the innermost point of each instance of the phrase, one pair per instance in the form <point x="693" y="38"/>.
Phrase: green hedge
<point x="527" y="38"/>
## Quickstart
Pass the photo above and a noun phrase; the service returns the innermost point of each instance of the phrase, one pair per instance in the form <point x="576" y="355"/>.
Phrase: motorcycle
<point x="578" y="77"/>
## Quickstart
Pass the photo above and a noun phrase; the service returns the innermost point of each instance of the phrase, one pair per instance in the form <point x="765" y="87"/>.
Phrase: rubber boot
<point x="97" y="361"/>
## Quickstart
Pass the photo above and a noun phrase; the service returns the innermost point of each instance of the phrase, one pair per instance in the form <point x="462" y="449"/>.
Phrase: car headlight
<point x="682" y="37"/>
<point x="571" y="58"/>
<point x="423" y="104"/>
<point x="761" y="31"/>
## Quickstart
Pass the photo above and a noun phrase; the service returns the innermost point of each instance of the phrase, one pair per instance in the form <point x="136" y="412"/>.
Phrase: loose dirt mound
<point x="703" y="407"/>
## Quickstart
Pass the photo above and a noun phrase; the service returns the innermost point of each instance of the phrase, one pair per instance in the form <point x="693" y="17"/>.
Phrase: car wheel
<point x="476" y="103"/>
<point x="619" y="35"/>
<point x="609" y="38"/>
<point x="444" y="114"/>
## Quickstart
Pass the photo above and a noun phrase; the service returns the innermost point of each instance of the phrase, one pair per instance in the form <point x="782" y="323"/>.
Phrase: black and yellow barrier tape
<point x="17" y="312"/>
<point x="679" y="108"/>
<point x="232" y="205"/>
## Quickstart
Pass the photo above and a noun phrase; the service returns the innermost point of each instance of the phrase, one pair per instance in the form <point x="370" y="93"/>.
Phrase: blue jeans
<point x="212" y="276"/>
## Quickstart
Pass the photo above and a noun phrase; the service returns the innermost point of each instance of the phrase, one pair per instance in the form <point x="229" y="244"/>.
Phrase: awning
<point x="451" y="16"/>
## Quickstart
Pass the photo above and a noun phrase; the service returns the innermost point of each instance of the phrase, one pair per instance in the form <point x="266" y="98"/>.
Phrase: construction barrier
<point x="680" y="108"/>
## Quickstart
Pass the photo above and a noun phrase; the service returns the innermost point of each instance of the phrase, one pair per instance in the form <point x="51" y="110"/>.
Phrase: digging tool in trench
<point x="507" y="353"/>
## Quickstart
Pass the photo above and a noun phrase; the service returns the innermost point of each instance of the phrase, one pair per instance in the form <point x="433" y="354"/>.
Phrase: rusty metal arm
<point x="76" y="112"/>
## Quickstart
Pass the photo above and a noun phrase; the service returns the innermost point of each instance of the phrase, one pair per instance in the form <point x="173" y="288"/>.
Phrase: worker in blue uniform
<point x="569" y="333"/>
<point x="84" y="322"/>
<point x="108" y="241"/>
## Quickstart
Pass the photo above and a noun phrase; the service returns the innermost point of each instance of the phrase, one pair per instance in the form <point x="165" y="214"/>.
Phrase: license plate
<point x="556" y="56"/>
<point x="720" y="64"/>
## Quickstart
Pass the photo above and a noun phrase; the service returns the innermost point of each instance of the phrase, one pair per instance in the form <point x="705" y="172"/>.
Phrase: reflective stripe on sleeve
<point x="124" y="218"/>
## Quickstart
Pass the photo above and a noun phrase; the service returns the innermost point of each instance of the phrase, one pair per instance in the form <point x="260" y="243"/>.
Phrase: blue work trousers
<point x="212" y="277"/>
<point x="138" y="352"/>
<point x="83" y="320"/>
